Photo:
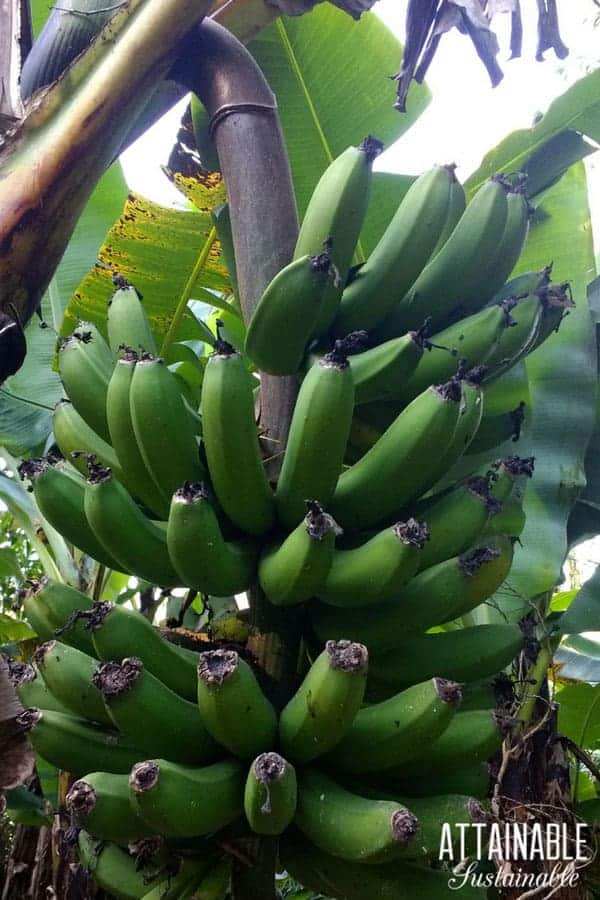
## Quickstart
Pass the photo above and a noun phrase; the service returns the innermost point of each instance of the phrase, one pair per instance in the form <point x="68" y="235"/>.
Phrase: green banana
<point x="334" y="219"/>
<point x="386" y="734"/>
<point x="400" y="465"/>
<point x="403" y="250"/>
<point x="186" y="884"/>
<point x="470" y="739"/>
<point x="76" y="745"/>
<point x="457" y="275"/>
<point x="521" y="285"/>
<point x="100" y="804"/>
<point x="510" y="520"/>
<point x="437" y="595"/>
<point x="164" y="429"/>
<point x="51" y="607"/>
<point x="352" y="827"/>
<point x="85" y="364"/>
<point x="520" y="339"/>
<point x="142" y="707"/>
<point x="31" y="688"/>
<point x="345" y="880"/>
<point x="556" y="301"/>
<point x="294" y="570"/>
<point x="112" y="868"/>
<point x="317" y="438"/>
<point x="179" y="801"/>
<point x="472" y="339"/>
<point x="282" y="324"/>
<point x="497" y="429"/>
<point x="508" y="474"/>
<point x="68" y="673"/>
<point x="326" y="703"/>
<point x="128" y="323"/>
<point x="456" y="520"/>
<point x="76" y="440"/>
<point x="232" y="705"/>
<point x="221" y="219"/>
<point x="465" y="654"/>
<point x="509" y="247"/>
<point x="59" y="495"/>
<point x="376" y="570"/>
<point x="271" y="794"/>
<point x="382" y="371"/>
<point x="122" y="436"/>
<point x="202" y="558"/>
<point x="118" y="632"/>
<point x="127" y="535"/>
<point x="231" y="442"/>
<point x="430" y="812"/>
<point x="456" y="207"/>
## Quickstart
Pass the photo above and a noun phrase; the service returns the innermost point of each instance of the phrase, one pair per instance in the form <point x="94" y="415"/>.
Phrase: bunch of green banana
<point x="406" y="362"/>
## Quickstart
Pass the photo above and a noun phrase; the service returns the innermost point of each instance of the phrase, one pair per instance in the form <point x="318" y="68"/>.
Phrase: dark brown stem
<point x="247" y="134"/>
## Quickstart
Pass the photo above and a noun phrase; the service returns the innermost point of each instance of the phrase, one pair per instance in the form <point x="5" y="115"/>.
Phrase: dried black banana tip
<point x="322" y="262"/>
<point x="347" y="656"/>
<point x="419" y="337"/>
<point x="448" y="691"/>
<point x="145" y="849"/>
<point x="81" y="799"/>
<point x="221" y="346"/>
<point x="475" y="375"/>
<point x="503" y="181"/>
<point x="404" y="826"/>
<point x="337" y="358"/>
<point x="94" y="617"/>
<point x="39" y="657"/>
<point x="556" y="296"/>
<point x="120" y="281"/>
<point x="269" y="768"/>
<point x="507" y="307"/>
<point x="192" y="492"/>
<point x="31" y="468"/>
<point x="113" y="679"/>
<point x="318" y="522"/>
<point x="480" y="486"/>
<point x="371" y="147"/>
<point x="128" y="355"/>
<point x="517" y="465"/>
<point x="473" y="560"/>
<point x="354" y="342"/>
<point x="412" y="532"/>
<point x="29" y="718"/>
<point x="451" y="390"/>
<point x="97" y="474"/>
<point x="20" y="672"/>
<point x="144" y="776"/>
<point x="217" y="665"/>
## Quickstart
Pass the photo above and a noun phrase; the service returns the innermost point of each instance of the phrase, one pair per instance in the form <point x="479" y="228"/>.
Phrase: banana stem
<point x="264" y="223"/>
<point x="531" y="692"/>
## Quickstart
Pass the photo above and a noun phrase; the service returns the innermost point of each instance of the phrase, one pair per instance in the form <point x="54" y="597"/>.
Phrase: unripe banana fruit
<point x="271" y="794"/>
<point x="161" y="722"/>
<point x="178" y="801"/>
<point x="285" y="318"/>
<point x="350" y="826"/>
<point x="232" y="705"/>
<point x="127" y="322"/>
<point x="323" y="708"/>
<point x="317" y="438"/>
<point x="231" y="442"/>
<point x="100" y="804"/>
<point x="389" y="733"/>
<point x="85" y="364"/>
<point x="295" y="569"/>
<point x="68" y="673"/>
